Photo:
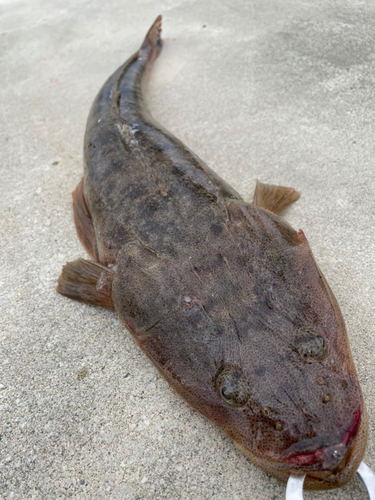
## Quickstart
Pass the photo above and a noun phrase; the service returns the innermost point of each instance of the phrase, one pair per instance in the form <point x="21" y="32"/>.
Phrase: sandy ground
<point x="280" y="91"/>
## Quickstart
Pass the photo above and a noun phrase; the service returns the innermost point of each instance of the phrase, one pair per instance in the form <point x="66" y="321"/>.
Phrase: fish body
<point x="223" y="296"/>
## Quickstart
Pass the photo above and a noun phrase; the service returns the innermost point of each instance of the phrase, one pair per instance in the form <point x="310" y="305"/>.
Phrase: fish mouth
<point x="323" y="458"/>
<point x="335" y="471"/>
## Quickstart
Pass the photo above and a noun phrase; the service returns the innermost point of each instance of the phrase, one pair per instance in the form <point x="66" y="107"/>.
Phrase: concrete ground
<point x="280" y="91"/>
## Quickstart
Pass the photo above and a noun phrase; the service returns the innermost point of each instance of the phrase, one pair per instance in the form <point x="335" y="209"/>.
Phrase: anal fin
<point x="274" y="198"/>
<point x="87" y="281"/>
<point x="83" y="222"/>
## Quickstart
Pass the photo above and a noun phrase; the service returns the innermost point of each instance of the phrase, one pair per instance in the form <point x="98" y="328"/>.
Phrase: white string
<point x="294" y="487"/>
<point x="368" y="477"/>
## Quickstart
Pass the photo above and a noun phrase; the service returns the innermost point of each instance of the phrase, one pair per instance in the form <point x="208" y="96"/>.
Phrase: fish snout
<point x="323" y="453"/>
<point x="333" y="456"/>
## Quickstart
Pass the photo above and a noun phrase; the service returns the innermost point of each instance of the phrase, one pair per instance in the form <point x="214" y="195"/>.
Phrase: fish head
<point x="305" y="412"/>
<point x="247" y="331"/>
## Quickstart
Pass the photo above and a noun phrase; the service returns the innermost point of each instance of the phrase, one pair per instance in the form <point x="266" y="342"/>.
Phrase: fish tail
<point x="153" y="43"/>
<point x="133" y="76"/>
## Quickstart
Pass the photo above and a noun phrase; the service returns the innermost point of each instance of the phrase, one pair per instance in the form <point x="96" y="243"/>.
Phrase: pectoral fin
<point x="274" y="198"/>
<point x="83" y="221"/>
<point x="87" y="281"/>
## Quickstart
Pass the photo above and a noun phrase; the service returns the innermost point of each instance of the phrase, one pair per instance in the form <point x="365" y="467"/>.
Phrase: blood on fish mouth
<point x="346" y="437"/>
<point x="306" y="459"/>
<point x="352" y="430"/>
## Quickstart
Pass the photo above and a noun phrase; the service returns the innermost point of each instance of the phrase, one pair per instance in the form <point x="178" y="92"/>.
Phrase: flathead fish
<point x="223" y="296"/>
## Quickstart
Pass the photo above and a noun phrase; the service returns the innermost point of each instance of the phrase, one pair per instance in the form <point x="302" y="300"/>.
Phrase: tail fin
<point x="153" y="42"/>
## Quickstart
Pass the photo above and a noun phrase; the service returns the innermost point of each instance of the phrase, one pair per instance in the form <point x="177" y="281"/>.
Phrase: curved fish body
<point x="223" y="296"/>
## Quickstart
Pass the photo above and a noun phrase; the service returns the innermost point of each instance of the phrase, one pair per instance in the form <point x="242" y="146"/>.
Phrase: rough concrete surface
<point x="280" y="91"/>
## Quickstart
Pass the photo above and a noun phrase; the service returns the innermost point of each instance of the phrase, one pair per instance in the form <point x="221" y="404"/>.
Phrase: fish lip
<point x="306" y="458"/>
<point x="327" y="457"/>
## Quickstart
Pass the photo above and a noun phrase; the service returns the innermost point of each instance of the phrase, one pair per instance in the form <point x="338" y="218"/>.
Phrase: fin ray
<point x="274" y="198"/>
<point x="88" y="282"/>
<point x="83" y="222"/>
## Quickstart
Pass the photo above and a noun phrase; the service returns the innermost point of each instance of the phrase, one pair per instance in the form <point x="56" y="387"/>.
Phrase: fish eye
<point x="309" y="344"/>
<point x="224" y="393"/>
<point x="233" y="387"/>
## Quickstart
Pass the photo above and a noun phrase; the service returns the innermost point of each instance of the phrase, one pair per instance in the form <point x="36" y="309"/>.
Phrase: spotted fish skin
<point x="223" y="296"/>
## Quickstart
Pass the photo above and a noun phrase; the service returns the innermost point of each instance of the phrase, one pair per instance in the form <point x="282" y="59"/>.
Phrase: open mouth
<point x="329" y="454"/>
<point x="306" y="459"/>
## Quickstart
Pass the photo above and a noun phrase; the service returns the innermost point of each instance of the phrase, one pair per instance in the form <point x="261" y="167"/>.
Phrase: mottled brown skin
<point x="223" y="296"/>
